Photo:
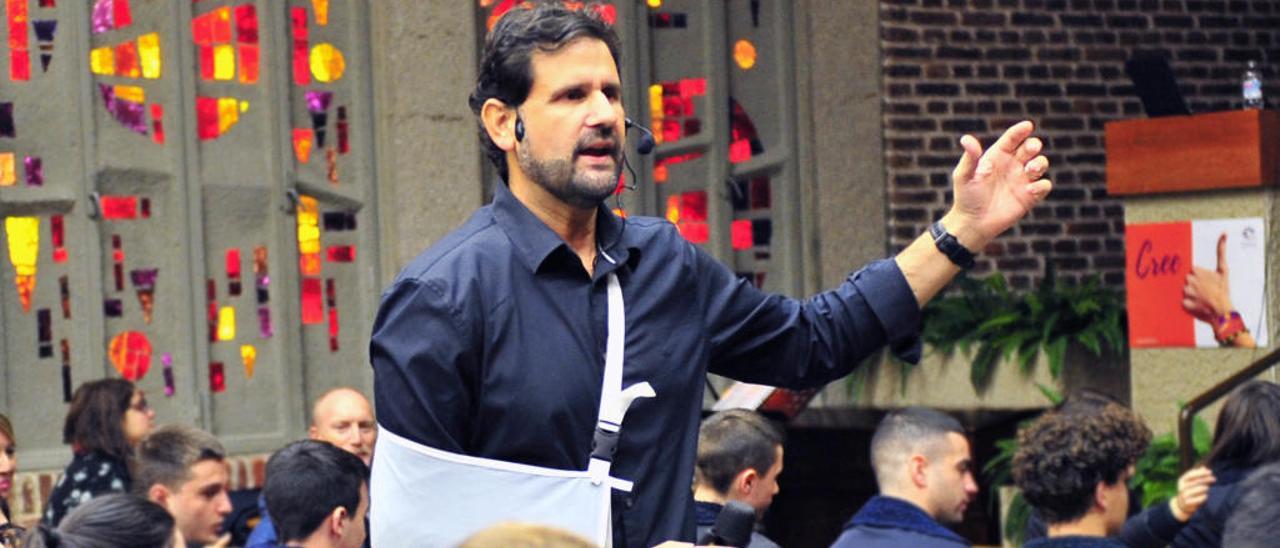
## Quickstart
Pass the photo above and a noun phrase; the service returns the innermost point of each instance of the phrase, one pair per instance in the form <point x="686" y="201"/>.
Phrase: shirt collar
<point x="535" y="242"/>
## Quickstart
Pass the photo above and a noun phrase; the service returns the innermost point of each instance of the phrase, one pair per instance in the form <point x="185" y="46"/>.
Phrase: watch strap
<point x="950" y="246"/>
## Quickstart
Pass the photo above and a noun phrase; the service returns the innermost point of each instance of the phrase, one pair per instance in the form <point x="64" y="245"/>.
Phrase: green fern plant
<point x="988" y="319"/>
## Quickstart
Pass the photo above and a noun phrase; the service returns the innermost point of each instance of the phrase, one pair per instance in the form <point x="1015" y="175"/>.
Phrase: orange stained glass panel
<point x="8" y="171"/>
<point x="303" y="142"/>
<point x="130" y="354"/>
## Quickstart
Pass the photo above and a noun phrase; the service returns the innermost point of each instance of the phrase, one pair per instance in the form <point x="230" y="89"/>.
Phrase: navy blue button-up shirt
<point x="491" y="343"/>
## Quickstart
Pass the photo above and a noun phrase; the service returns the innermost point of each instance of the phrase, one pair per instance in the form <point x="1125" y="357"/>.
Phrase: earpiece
<point x="519" y="129"/>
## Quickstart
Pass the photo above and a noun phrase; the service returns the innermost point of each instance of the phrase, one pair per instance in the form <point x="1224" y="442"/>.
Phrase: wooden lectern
<point x="1234" y="149"/>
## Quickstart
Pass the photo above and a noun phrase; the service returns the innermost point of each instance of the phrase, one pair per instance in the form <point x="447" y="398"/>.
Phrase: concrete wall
<point x="428" y="159"/>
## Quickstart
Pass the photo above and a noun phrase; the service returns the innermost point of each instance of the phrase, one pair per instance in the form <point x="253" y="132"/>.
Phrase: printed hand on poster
<point x="1207" y="297"/>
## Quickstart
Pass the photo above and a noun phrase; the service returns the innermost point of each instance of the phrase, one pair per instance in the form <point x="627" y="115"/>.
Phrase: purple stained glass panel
<point x="6" y="121"/>
<point x="103" y="18"/>
<point x="35" y="170"/>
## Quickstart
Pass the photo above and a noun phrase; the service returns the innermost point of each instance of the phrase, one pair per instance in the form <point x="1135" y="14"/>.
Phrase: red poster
<point x="1157" y="261"/>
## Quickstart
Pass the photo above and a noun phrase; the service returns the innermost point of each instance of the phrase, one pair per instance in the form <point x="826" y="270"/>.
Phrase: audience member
<point x="1246" y="437"/>
<point x="342" y="417"/>
<point x="8" y="467"/>
<point x="1156" y="525"/>
<point x="1073" y="467"/>
<point x="318" y="495"/>
<point x="106" y="419"/>
<point x="739" y="458"/>
<point x="184" y="470"/>
<point x="525" y="535"/>
<point x="111" y="521"/>
<point x="922" y="464"/>
<point x="1252" y="523"/>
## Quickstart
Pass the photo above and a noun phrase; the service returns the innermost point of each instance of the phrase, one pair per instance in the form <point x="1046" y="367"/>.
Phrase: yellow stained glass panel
<point x="248" y="356"/>
<point x="227" y="323"/>
<point x="309" y="235"/>
<point x="327" y="63"/>
<point x="149" y="52"/>
<point x="224" y="62"/>
<point x="103" y="61"/>
<point x="24" y="249"/>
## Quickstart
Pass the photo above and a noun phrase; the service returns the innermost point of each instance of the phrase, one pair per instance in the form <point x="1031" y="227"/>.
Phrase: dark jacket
<point x="1205" y="527"/>
<point x="1074" y="542"/>
<point x="89" y="475"/>
<point x="705" y="516"/>
<point x="1154" y="527"/>
<point x="887" y="522"/>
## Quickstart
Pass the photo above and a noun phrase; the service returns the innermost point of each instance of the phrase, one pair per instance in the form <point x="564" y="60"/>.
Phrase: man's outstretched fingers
<point x="1029" y="149"/>
<point x="972" y="152"/>
<point x="1014" y="137"/>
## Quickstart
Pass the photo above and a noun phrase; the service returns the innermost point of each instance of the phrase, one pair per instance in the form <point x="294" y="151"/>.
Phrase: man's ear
<point x="313" y="432"/>
<point x="338" y="522"/>
<point x="1100" y="496"/>
<point x="744" y="482"/>
<point x="499" y="122"/>
<point x="159" y="494"/>
<point x="917" y="470"/>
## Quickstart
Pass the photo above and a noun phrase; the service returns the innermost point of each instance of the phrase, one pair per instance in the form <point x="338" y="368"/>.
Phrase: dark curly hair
<point x="1062" y="457"/>
<point x="506" y="70"/>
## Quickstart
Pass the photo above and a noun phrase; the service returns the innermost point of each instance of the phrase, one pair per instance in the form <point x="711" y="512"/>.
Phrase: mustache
<point x="604" y="137"/>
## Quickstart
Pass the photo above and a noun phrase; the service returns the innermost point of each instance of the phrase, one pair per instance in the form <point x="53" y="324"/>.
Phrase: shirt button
<point x="631" y="501"/>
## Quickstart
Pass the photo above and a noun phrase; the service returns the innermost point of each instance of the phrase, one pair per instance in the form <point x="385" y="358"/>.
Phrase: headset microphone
<point x="647" y="142"/>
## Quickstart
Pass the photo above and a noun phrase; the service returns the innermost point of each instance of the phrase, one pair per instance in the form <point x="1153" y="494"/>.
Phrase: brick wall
<point x="957" y="66"/>
<point x="31" y="489"/>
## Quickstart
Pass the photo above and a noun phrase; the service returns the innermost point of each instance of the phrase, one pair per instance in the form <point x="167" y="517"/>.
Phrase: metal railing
<point x="1186" y="449"/>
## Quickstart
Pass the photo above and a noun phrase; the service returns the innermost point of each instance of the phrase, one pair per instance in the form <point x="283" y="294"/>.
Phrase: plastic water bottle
<point x="1251" y="85"/>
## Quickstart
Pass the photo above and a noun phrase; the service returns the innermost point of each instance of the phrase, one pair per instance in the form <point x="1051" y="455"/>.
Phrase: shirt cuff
<point x="885" y="290"/>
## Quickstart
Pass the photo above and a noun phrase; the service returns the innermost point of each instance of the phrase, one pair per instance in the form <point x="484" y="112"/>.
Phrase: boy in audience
<point x="318" y="495"/>
<point x="1074" y="469"/>
<point x="739" y="458"/>
<point x="185" y="471"/>
<point x="925" y="472"/>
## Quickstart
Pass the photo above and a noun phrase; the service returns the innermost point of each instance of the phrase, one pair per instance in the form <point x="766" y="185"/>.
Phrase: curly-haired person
<point x="1073" y="468"/>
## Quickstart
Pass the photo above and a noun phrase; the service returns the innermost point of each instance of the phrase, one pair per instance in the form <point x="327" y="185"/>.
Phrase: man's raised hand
<point x="996" y="188"/>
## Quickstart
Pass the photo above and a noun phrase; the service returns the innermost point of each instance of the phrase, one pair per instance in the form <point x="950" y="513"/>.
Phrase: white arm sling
<point x="422" y="496"/>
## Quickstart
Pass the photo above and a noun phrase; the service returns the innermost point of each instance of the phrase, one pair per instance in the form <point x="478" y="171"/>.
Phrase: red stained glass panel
<point x="312" y="302"/>
<point x="157" y="126"/>
<point x="119" y="208"/>
<point x="301" y="52"/>
<point x="217" y="377"/>
<point x="740" y="234"/>
<point x="342" y="253"/>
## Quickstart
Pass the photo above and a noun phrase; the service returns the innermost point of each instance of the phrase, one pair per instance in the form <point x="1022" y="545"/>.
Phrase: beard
<point x="561" y="178"/>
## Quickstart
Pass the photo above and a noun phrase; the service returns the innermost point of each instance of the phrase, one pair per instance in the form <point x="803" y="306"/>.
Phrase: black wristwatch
<point x="950" y="246"/>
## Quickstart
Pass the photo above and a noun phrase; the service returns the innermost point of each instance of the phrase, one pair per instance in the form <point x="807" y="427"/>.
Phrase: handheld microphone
<point x="647" y="141"/>
<point x="733" y="526"/>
